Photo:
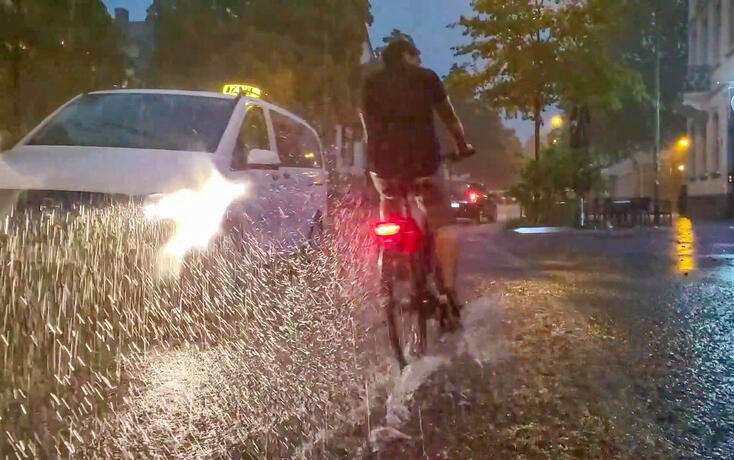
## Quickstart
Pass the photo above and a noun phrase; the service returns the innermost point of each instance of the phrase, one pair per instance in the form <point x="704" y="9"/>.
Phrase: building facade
<point x="707" y="104"/>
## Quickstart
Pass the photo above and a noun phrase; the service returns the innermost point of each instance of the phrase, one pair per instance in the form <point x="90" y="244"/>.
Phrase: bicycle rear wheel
<point x="404" y="309"/>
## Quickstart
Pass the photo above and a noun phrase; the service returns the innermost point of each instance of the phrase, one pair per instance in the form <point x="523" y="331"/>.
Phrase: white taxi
<point x="140" y="143"/>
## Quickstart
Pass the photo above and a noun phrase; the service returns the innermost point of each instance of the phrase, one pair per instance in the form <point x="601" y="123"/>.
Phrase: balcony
<point x="698" y="79"/>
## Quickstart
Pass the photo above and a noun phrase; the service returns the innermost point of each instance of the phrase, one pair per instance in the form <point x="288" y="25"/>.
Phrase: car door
<point x="303" y="176"/>
<point x="255" y="212"/>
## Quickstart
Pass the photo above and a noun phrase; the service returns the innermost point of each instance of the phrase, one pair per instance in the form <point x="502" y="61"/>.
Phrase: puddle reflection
<point x="685" y="246"/>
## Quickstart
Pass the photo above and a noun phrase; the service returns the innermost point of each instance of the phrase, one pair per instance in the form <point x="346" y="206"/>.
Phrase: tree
<point x="545" y="181"/>
<point x="530" y="54"/>
<point x="617" y="133"/>
<point x="51" y="50"/>
<point x="305" y="55"/>
<point x="498" y="158"/>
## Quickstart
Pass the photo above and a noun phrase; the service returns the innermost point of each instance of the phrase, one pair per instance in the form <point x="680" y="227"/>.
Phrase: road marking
<point x="717" y="256"/>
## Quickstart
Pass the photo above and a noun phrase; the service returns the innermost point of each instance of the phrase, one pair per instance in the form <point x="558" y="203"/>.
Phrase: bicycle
<point x="410" y="278"/>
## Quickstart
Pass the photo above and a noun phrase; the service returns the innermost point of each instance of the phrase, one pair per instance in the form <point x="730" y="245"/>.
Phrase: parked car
<point x="471" y="200"/>
<point x="142" y="143"/>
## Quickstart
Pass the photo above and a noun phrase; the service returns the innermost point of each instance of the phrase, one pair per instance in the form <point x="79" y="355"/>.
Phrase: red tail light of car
<point x="472" y="196"/>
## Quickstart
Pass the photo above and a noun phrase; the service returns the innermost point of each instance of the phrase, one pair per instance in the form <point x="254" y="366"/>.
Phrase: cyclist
<point x="399" y="102"/>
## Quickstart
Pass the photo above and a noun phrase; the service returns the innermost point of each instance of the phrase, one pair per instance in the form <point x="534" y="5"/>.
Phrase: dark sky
<point x="424" y="20"/>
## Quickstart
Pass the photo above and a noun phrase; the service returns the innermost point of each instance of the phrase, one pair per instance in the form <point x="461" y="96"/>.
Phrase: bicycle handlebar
<point x="455" y="157"/>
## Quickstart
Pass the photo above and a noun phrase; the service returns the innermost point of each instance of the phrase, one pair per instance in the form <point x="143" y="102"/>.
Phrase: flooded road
<point x="603" y="345"/>
<point x="574" y="345"/>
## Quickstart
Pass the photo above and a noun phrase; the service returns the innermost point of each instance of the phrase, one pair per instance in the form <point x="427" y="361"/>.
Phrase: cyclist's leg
<point x="389" y="202"/>
<point x="437" y="207"/>
<point x="447" y="253"/>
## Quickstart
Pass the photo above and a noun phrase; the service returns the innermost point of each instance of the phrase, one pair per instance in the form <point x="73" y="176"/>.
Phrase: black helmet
<point x="393" y="53"/>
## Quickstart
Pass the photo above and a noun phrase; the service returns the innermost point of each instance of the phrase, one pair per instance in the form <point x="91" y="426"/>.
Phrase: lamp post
<point x="656" y="154"/>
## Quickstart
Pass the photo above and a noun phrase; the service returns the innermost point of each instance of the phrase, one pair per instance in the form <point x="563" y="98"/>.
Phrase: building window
<point x="717" y="31"/>
<point x="716" y="163"/>
<point x="703" y="143"/>
<point x="693" y="135"/>
<point x="704" y="146"/>
<point x="704" y="40"/>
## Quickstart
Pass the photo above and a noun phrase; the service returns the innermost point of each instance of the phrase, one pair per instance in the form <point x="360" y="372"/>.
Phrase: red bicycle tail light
<point x="398" y="234"/>
<point x="387" y="229"/>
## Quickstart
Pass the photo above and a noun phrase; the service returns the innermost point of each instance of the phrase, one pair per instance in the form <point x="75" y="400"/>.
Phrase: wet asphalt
<point x="665" y="292"/>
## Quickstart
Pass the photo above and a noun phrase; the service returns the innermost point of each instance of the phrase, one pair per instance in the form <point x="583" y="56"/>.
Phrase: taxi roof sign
<point x="246" y="90"/>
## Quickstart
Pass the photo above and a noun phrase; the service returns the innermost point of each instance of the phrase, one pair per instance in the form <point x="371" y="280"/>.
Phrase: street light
<point x="557" y="121"/>
<point x="683" y="143"/>
<point x="681" y="168"/>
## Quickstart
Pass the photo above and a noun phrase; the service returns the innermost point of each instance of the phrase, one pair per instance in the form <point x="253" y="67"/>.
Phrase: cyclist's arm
<point x="364" y="126"/>
<point x="447" y="114"/>
<point x="444" y="109"/>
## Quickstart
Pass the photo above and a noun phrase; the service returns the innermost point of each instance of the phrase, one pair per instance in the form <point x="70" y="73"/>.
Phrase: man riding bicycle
<point x="399" y="102"/>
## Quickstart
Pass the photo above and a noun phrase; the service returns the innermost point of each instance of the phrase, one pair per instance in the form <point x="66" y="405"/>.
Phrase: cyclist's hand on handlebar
<point x="466" y="150"/>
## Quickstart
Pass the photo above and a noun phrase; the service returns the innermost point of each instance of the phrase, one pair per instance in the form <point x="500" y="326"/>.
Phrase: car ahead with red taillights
<point x="470" y="200"/>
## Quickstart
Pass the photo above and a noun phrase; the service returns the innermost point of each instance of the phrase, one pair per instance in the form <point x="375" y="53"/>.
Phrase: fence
<point x="627" y="212"/>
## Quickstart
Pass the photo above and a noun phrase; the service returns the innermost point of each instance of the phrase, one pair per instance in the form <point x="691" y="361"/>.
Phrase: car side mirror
<point x="263" y="159"/>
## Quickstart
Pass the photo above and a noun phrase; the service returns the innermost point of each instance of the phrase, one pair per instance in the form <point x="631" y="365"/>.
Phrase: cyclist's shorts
<point x="431" y="198"/>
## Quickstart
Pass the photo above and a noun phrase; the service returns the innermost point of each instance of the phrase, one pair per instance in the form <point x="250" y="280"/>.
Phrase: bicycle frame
<point x="406" y="254"/>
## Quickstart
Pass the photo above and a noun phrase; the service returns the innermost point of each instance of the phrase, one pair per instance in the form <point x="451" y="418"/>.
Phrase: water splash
<point x="245" y="353"/>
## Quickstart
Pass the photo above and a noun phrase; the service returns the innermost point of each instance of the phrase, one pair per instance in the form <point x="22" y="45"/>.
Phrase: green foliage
<point x="617" y="133"/>
<point x="590" y="72"/>
<point x="533" y="53"/>
<point x="519" y="41"/>
<point x="51" y="50"/>
<point x="305" y="55"/>
<point x="558" y="173"/>
<point x="497" y="161"/>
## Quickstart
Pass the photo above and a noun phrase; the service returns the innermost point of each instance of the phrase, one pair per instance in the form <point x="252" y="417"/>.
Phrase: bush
<point x="558" y="174"/>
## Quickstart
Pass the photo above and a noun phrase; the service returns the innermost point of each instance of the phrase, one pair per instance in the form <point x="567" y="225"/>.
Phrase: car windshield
<point x="139" y="120"/>
<point x="458" y="189"/>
